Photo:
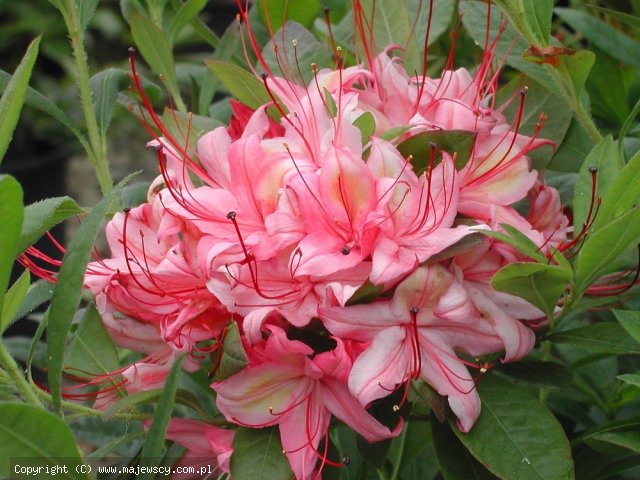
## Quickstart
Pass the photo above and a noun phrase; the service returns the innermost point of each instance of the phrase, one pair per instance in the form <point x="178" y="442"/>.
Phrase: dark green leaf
<point x="532" y="18"/>
<point x="233" y="357"/>
<point x="541" y="374"/>
<point x="367" y="126"/>
<point x="540" y="284"/>
<point x="603" y="35"/>
<point x="458" y="143"/>
<point x="41" y="216"/>
<point x="185" y="14"/>
<point x="275" y="13"/>
<point x="606" y="337"/>
<point x="630" y="321"/>
<point x="578" y="66"/>
<point x="13" y="299"/>
<point x="28" y="431"/>
<point x="631" y="20"/>
<point x="517" y="239"/>
<point x="602" y="247"/>
<point x="86" y="9"/>
<point x="455" y="461"/>
<point x="574" y="148"/>
<point x="92" y="351"/>
<point x="13" y="96"/>
<point x="240" y="83"/>
<point x="440" y="19"/>
<point x="626" y="440"/>
<point x="516" y="437"/>
<point x="126" y="403"/>
<point x="156" y="50"/>
<point x="257" y="453"/>
<point x="38" y="293"/>
<point x="298" y="50"/>
<point x="154" y="441"/>
<point x="375" y="454"/>
<point x="105" y="86"/>
<point x="11" y="215"/>
<point x="66" y="295"/>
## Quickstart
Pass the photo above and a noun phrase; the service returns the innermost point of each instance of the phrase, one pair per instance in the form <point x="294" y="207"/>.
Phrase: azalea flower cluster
<point x="350" y="268"/>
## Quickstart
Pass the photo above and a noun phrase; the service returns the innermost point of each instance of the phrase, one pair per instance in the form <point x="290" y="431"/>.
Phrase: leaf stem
<point x="98" y="151"/>
<point x="13" y="371"/>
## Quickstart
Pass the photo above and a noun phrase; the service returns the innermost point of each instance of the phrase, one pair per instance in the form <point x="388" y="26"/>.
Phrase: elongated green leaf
<point x="187" y="12"/>
<point x="11" y="215"/>
<point x="240" y="83"/>
<point x="622" y="193"/>
<point x="542" y="374"/>
<point x="66" y="295"/>
<point x="538" y="101"/>
<point x="630" y="378"/>
<point x="38" y="293"/>
<point x="540" y="284"/>
<point x="516" y="437"/>
<point x="13" y="96"/>
<point x="603" y="35"/>
<point x="532" y="18"/>
<point x="455" y="142"/>
<point x="155" y="49"/>
<point x="22" y="431"/>
<point x="440" y="19"/>
<point x="105" y="86"/>
<point x="456" y="462"/>
<point x="631" y="20"/>
<point x="298" y="49"/>
<point x="607" y="337"/>
<point x="626" y="440"/>
<point x="41" y="216"/>
<point x="13" y="299"/>
<point x="258" y="454"/>
<point x="35" y="99"/>
<point x="154" y="442"/>
<point x="574" y="148"/>
<point x="603" y="247"/>
<point x="130" y="401"/>
<point x="630" y="321"/>
<point x="392" y="26"/>
<point x="86" y="9"/>
<point x="276" y="12"/>
<point x="92" y="351"/>
<point x="517" y="239"/>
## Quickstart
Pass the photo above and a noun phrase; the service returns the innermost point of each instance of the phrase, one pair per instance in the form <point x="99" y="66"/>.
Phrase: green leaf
<point x="188" y="128"/>
<point x="41" y="216"/>
<point x="13" y="299"/>
<point x="518" y="240"/>
<point x="455" y="461"/>
<point x="66" y="295"/>
<point x="603" y="35"/>
<point x="156" y="50"/>
<point x="540" y="374"/>
<point x="392" y="26"/>
<point x="185" y="14"/>
<point x="298" y="49"/>
<point x="458" y="143"/>
<point x="516" y="437"/>
<point x="574" y="148"/>
<point x="367" y="126"/>
<point x="630" y="378"/>
<point x="105" y="86"/>
<point x="126" y="403"/>
<point x="630" y="321"/>
<point x="603" y="157"/>
<point x="602" y="247"/>
<point x="631" y="20"/>
<point x="626" y="440"/>
<point x="440" y="19"/>
<point x="605" y="337"/>
<point x="257" y="453"/>
<point x="275" y="13"/>
<point x="331" y="103"/>
<point x="233" y="357"/>
<point x="578" y="67"/>
<point x="240" y="83"/>
<point x="36" y="100"/>
<point x="540" y="284"/>
<point x="537" y="101"/>
<point x="11" y="215"/>
<point x="38" y="293"/>
<point x="13" y="96"/>
<point x="532" y="18"/>
<point x="22" y="431"/>
<point x="92" y="351"/>
<point x="621" y="194"/>
<point x="86" y="9"/>
<point x="154" y="441"/>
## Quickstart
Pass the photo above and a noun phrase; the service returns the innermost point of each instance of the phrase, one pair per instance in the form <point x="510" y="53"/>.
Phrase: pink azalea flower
<point x="289" y="385"/>
<point x="416" y="335"/>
